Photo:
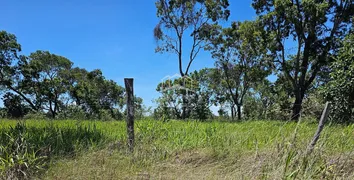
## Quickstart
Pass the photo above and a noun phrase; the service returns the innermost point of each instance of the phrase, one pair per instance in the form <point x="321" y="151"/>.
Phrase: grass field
<point x="69" y="149"/>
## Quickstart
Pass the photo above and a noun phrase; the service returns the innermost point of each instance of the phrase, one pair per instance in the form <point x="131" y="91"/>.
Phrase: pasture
<point x="73" y="149"/>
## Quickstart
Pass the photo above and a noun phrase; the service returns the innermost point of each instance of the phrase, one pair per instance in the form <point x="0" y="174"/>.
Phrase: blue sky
<point x="115" y="36"/>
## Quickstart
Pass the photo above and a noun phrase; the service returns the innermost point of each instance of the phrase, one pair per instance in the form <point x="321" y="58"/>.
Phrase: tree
<point x="303" y="36"/>
<point x="10" y="63"/>
<point x="259" y="101"/>
<point x="9" y="49"/>
<point x="47" y="82"/>
<point x="44" y="79"/>
<point x="139" y="109"/>
<point x="93" y="92"/>
<point x="211" y="79"/>
<point x="203" y="97"/>
<point x="181" y="17"/>
<point x="340" y="90"/>
<point x="176" y="93"/>
<point x="193" y="89"/>
<point x="14" y="106"/>
<point x="239" y="51"/>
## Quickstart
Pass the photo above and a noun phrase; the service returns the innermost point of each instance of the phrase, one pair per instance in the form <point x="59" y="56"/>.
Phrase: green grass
<point x="178" y="150"/>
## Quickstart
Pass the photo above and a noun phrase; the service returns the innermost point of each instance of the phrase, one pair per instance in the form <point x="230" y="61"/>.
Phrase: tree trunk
<point x="184" y="108"/>
<point x="299" y="96"/>
<point x="51" y="109"/>
<point x="232" y="112"/>
<point x="239" y="112"/>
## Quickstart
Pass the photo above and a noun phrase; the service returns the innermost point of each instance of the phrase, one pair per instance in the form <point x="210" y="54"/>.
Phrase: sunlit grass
<point x="273" y="144"/>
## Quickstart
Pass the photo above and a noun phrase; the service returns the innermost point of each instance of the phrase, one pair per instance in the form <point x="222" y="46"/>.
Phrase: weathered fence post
<point x="130" y="111"/>
<point x="323" y="119"/>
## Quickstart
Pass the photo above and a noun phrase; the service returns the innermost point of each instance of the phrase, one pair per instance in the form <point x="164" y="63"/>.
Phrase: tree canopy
<point x="284" y="64"/>
<point x="48" y="83"/>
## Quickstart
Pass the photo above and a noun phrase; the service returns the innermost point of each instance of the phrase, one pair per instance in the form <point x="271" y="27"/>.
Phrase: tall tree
<point x="10" y="64"/>
<point x="340" y="90"/>
<point x="93" y="92"/>
<point x="44" y="79"/>
<point x="240" y="54"/>
<point x="179" y="17"/>
<point x="303" y="36"/>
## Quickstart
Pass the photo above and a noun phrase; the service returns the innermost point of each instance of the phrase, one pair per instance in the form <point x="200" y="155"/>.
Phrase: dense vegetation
<point x="45" y="84"/>
<point x="305" y="45"/>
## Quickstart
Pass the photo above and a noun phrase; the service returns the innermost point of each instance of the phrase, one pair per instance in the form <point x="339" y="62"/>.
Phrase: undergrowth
<point x="27" y="150"/>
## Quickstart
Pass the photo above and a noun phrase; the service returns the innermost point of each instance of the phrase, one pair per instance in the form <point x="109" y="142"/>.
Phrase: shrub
<point x="35" y="115"/>
<point x="2" y="113"/>
<point x="105" y="115"/>
<point x="72" y="112"/>
<point x="340" y="90"/>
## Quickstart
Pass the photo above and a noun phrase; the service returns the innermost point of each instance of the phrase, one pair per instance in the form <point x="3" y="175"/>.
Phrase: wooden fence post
<point x="321" y="124"/>
<point x="130" y="111"/>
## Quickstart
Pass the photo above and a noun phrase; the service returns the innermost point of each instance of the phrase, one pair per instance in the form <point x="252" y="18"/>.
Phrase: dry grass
<point x="195" y="164"/>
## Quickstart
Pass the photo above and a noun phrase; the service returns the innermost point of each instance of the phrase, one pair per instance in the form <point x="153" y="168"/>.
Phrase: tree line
<point x="306" y="44"/>
<point x="43" y="84"/>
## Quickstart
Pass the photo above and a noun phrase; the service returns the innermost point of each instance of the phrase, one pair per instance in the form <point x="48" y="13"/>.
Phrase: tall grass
<point x="27" y="147"/>
<point x="254" y="149"/>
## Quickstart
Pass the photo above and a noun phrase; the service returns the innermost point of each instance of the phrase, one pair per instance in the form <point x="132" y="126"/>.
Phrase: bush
<point x="340" y="90"/>
<point x="312" y="107"/>
<point x="105" y="115"/>
<point x="35" y="115"/>
<point x="2" y="113"/>
<point x="72" y="112"/>
<point x="117" y="114"/>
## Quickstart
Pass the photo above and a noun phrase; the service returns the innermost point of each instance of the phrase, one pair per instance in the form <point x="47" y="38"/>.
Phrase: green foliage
<point x="3" y="113"/>
<point x="238" y="146"/>
<point x="14" y="106"/>
<point x="10" y="65"/>
<point x="9" y="49"/>
<point x="44" y="78"/>
<point x="340" y="90"/>
<point x="184" y="97"/>
<point x="93" y="93"/>
<point x="269" y="143"/>
<point x="316" y="29"/>
<point x="179" y="18"/>
<point x="139" y="109"/>
<point x="17" y="158"/>
<point x="72" y="112"/>
<point x="240" y="54"/>
<point x="105" y="115"/>
<point x="45" y="82"/>
<point x="27" y="150"/>
<point x="35" y="115"/>
<point x="246" y="53"/>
